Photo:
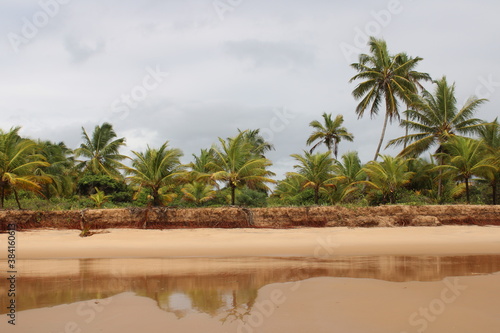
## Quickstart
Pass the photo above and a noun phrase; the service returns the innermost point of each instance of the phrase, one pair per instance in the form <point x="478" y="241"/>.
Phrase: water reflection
<point x="221" y="287"/>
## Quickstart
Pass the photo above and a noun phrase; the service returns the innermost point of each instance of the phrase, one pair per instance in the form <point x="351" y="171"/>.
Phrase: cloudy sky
<point x="194" y="70"/>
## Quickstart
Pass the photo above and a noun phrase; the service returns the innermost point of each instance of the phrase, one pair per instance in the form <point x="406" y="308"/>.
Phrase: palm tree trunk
<point x="316" y="195"/>
<point x="406" y="130"/>
<point x="386" y="119"/>
<point x="2" y="197"/>
<point x="233" y="194"/>
<point x="467" y="190"/>
<point x="17" y="199"/>
<point x="494" y="188"/>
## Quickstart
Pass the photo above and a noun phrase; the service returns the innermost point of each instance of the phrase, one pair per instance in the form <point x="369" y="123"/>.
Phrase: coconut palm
<point x="436" y="118"/>
<point x="467" y="159"/>
<point x="314" y="171"/>
<point x="18" y="161"/>
<point x="101" y="151"/>
<point x="490" y="136"/>
<point x="156" y="170"/>
<point x="235" y="164"/>
<point x="258" y="142"/>
<point x="346" y="174"/>
<point x="330" y="133"/>
<point x="290" y="191"/>
<point x="61" y="171"/>
<point x="388" y="176"/>
<point x="386" y="79"/>
<point x="198" y="192"/>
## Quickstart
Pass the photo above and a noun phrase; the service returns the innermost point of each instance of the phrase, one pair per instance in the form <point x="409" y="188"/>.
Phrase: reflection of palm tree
<point x="239" y="312"/>
<point x="207" y="301"/>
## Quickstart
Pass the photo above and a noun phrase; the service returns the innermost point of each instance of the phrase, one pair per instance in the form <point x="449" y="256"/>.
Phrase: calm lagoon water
<point x="216" y="286"/>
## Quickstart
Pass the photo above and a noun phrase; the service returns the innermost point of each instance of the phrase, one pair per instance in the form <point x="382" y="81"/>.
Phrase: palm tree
<point x="314" y="171"/>
<point x="259" y="144"/>
<point x="415" y="77"/>
<point x="330" y="133"/>
<point x="101" y="151"/>
<point x="18" y="161"/>
<point x="198" y="192"/>
<point x="467" y="159"/>
<point x="490" y="136"/>
<point x="156" y="170"/>
<point x="235" y="164"/>
<point x="61" y="171"/>
<point x="386" y="78"/>
<point x="290" y="191"/>
<point x="436" y="118"/>
<point x="388" y="176"/>
<point x="199" y="168"/>
<point x="347" y="173"/>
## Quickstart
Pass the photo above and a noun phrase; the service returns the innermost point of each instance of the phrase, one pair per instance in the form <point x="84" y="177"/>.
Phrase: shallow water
<point x="216" y="285"/>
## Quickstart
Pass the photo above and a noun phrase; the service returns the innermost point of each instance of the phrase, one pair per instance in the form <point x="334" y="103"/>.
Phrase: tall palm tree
<point x="18" y="161"/>
<point x="156" y="169"/>
<point x="236" y="164"/>
<point x="314" y="171"/>
<point x="416" y="78"/>
<point x="101" y="151"/>
<point x="386" y="79"/>
<point x="330" y="133"/>
<point x="436" y="118"/>
<point x="490" y="135"/>
<point x="388" y="176"/>
<point x="467" y="159"/>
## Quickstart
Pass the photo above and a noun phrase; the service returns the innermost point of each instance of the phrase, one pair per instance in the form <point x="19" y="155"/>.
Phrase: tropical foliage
<point x="448" y="155"/>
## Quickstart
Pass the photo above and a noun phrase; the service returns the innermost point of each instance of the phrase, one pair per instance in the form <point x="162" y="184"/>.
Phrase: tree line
<point x="448" y="155"/>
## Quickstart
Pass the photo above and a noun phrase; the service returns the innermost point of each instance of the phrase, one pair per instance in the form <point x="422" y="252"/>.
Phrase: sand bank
<point x="313" y="242"/>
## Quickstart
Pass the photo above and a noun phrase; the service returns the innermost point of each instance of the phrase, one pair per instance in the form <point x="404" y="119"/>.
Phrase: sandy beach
<point x="321" y="304"/>
<point x="134" y="243"/>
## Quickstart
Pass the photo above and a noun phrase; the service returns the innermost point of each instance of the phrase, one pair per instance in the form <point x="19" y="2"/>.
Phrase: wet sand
<point x="314" y="242"/>
<point x="464" y="304"/>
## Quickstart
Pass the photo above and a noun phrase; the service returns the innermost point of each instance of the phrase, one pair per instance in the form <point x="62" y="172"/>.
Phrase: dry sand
<point x="346" y="305"/>
<point x="130" y="243"/>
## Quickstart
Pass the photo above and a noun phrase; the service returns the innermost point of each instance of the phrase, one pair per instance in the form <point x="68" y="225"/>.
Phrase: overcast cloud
<point x="231" y="64"/>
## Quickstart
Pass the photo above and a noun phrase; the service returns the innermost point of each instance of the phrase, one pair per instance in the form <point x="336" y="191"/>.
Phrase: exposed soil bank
<point x="234" y="217"/>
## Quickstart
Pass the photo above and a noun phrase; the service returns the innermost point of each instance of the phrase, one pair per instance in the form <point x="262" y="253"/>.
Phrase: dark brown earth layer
<point x="235" y="217"/>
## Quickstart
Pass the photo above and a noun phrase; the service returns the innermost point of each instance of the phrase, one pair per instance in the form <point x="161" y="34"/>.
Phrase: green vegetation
<point x="463" y="165"/>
